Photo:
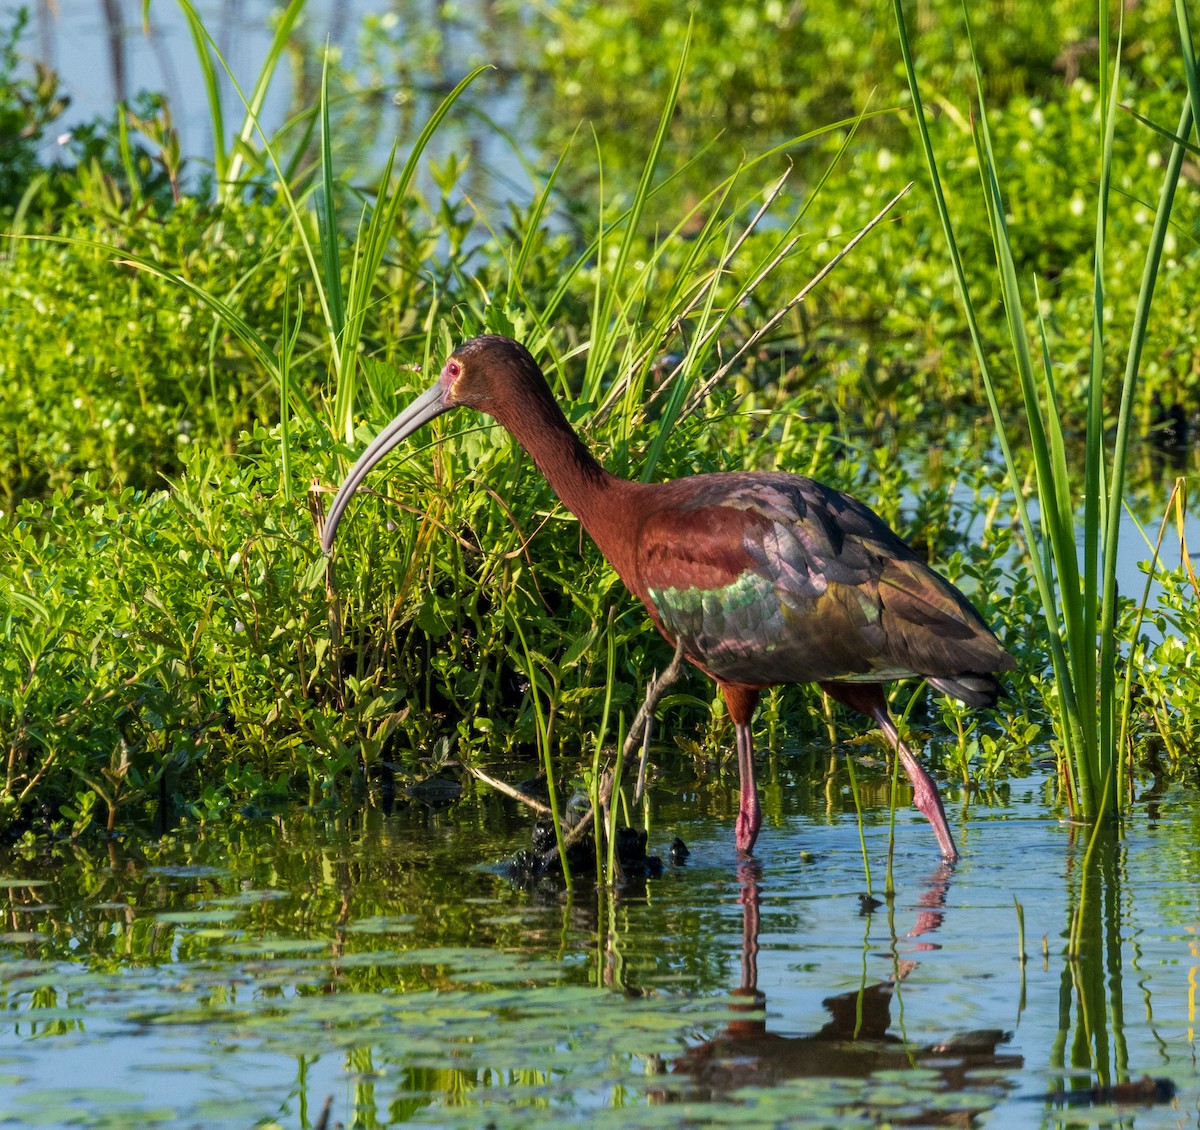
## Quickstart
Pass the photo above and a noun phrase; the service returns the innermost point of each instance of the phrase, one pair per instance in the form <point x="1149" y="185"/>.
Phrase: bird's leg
<point x="925" y="790"/>
<point x="749" y="818"/>
<point x="869" y="699"/>
<point x="741" y="701"/>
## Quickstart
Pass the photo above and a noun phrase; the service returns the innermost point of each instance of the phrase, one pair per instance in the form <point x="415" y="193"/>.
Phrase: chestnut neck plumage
<point x="606" y="505"/>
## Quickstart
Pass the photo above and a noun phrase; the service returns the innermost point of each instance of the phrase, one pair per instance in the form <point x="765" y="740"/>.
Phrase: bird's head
<point x="486" y="372"/>
<point x="478" y="374"/>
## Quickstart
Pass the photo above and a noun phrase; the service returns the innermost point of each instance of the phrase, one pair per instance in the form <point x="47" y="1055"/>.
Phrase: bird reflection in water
<point x="854" y="1043"/>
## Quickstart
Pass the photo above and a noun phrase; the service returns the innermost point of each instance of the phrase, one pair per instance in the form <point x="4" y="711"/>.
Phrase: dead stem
<point x="639" y="732"/>
<point x="508" y="790"/>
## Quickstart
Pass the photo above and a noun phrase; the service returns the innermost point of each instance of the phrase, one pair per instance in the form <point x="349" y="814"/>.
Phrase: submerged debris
<point x="541" y="861"/>
<point x="631" y="854"/>
<point x="435" y="791"/>
<point x="1137" y="1092"/>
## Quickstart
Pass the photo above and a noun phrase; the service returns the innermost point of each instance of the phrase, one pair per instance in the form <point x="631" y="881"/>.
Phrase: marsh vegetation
<point x="194" y="346"/>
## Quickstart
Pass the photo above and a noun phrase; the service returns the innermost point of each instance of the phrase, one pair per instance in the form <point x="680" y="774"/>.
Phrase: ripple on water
<point x="216" y="985"/>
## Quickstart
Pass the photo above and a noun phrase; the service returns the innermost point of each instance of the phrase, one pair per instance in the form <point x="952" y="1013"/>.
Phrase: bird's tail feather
<point x="974" y="690"/>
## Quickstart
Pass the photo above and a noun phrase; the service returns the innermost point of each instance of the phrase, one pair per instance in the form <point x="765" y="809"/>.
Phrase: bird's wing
<point x="781" y="579"/>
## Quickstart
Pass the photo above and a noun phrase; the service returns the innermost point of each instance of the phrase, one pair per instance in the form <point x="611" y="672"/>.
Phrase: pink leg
<point x="749" y="818"/>
<point x="925" y="790"/>
<point x="741" y="701"/>
<point x="869" y="699"/>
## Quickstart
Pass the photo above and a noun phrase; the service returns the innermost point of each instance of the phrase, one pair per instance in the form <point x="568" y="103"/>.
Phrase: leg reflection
<point x="856" y="1039"/>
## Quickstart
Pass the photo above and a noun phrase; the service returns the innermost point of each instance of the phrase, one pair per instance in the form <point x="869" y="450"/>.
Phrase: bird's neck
<point x="599" y="499"/>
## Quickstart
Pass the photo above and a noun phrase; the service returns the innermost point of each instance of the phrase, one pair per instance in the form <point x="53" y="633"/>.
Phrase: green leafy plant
<point x="183" y="361"/>
<point x="1078" y="596"/>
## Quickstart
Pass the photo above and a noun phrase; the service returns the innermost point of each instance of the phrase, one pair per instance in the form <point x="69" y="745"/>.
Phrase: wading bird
<point x="766" y="578"/>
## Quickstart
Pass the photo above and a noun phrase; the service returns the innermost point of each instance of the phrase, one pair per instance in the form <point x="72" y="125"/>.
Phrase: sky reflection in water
<point x="228" y="979"/>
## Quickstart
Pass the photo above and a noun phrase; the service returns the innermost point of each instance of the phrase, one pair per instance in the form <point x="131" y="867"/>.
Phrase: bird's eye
<point x="453" y="369"/>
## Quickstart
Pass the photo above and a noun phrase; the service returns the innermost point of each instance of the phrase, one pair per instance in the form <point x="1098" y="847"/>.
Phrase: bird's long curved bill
<point x="429" y="404"/>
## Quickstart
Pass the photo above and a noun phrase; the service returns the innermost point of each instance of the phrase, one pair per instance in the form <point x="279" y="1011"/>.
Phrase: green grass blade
<point x="369" y="251"/>
<point x="604" y="332"/>
<point x="591" y="252"/>
<point x="544" y="737"/>
<point x="672" y="409"/>
<point x="431" y="127"/>
<point x="1064" y="510"/>
<point x="1042" y="578"/>
<point x="1057" y="529"/>
<point x="212" y="87"/>
<point x="246" y="333"/>
<point x="299" y="224"/>
<point x="1138" y="334"/>
<point x="533" y="222"/>
<point x="1053" y="485"/>
<point x="286" y="348"/>
<point x="327" y="224"/>
<point x="1188" y="51"/>
<point x="370" y="245"/>
<point x="1174" y="502"/>
<point x="1095" y="481"/>
<point x="250" y="122"/>
<point x="1163" y="132"/>
<point x="326" y="278"/>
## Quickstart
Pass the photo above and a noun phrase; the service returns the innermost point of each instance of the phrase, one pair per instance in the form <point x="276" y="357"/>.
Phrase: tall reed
<point x="1076" y="583"/>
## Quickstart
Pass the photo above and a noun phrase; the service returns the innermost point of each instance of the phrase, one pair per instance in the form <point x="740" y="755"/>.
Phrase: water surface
<point x="241" y="976"/>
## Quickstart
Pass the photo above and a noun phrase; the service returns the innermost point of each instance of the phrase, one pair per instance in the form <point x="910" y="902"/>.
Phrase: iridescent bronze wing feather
<point x="778" y="579"/>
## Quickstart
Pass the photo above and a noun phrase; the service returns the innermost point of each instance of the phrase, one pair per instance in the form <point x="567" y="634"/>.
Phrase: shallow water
<point x="242" y="976"/>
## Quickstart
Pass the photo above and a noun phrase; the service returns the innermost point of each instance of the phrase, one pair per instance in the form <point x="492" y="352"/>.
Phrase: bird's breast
<point x="738" y="631"/>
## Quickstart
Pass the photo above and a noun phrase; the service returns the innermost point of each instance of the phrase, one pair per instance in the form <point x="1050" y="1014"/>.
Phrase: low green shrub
<point x="166" y="628"/>
<point x="170" y="650"/>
